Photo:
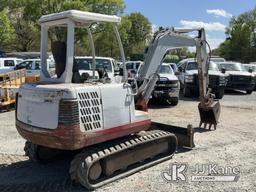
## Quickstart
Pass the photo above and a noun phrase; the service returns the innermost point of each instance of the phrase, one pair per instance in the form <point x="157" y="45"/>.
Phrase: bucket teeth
<point x="210" y="125"/>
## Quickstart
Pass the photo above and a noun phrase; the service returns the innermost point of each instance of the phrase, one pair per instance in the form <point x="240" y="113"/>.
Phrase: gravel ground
<point x="232" y="144"/>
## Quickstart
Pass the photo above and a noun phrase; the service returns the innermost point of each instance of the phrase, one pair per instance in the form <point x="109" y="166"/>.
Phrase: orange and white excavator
<point x="105" y="122"/>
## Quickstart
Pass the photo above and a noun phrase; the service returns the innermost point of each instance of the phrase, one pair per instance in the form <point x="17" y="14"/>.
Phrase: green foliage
<point x="171" y="59"/>
<point x="34" y="9"/>
<point x="137" y="57"/>
<point x="23" y="15"/>
<point x="139" y="34"/>
<point x="223" y="50"/>
<point x="105" y="42"/>
<point x="239" y="46"/>
<point x="135" y="32"/>
<point x="6" y="30"/>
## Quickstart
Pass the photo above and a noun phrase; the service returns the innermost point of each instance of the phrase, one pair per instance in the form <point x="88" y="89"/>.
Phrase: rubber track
<point x="80" y="165"/>
<point x="31" y="151"/>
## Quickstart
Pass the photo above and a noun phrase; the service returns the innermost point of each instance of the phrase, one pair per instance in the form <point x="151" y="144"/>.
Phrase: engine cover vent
<point x="90" y="110"/>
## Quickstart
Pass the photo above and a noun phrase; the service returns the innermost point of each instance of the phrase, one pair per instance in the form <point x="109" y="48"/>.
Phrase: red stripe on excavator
<point x="69" y="137"/>
<point x="116" y="132"/>
<point x="122" y="127"/>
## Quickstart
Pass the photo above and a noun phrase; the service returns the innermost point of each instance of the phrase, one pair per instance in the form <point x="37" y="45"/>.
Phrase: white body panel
<point x="110" y="105"/>
<point x="38" y="107"/>
<point x="170" y="76"/>
<point x="116" y="105"/>
<point x="244" y="73"/>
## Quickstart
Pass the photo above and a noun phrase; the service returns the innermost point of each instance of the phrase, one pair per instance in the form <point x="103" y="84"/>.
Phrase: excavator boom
<point x="166" y="40"/>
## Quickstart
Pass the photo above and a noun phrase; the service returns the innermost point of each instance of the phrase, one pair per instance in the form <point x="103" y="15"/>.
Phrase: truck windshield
<point x="166" y="69"/>
<point x="138" y="65"/>
<point x="131" y="65"/>
<point x="193" y="66"/>
<point x="213" y="66"/>
<point x="218" y="60"/>
<point x="86" y="64"/>
<point x="232" y="66"/>
<point x="248" y="67"/>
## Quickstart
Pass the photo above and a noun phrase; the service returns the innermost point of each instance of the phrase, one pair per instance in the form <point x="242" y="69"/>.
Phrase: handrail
<point x="13" y="78"/>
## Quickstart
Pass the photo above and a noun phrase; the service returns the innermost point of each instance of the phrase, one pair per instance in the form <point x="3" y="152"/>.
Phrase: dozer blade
<point x="209" y="114"/>
<point x="185" y="136"/>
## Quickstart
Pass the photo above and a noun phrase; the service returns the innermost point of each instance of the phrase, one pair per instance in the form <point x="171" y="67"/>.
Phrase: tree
<point x="135" y="29"/>
<point x="27" y="35"/>
<point x="34" y="9"/>
<point x="238" y="46"/>
<point x="29" y="11"/>
<point x="135" y="32"/>
<point x="6" y="30"/>
<point x="171" y="59"/>
<point x="139" y="34"/>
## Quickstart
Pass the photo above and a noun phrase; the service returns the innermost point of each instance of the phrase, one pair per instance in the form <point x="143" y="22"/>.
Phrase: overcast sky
<point x="213" y="15"/>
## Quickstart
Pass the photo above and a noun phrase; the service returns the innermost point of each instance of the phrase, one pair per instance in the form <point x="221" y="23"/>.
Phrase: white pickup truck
<point x="239" y="77"/>
<point x="8" y="64"/>
<point x="33" y="66"/>
<point x="167" y="87"/>
<point x="107" y="64"/>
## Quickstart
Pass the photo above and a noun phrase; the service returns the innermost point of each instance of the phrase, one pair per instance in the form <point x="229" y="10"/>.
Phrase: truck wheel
<point x="173" y="101"/>
<point x="186" y="91"/>
<point x="249" y="92"/>
<point x="219" y="94"/>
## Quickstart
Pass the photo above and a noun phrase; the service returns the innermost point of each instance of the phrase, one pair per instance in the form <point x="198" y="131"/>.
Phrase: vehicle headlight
<point x="175" y="85"/>
<point x="189" y="78"/>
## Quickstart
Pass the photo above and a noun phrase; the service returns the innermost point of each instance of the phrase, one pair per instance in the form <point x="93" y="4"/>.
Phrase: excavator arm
<point x="172" y="39"/>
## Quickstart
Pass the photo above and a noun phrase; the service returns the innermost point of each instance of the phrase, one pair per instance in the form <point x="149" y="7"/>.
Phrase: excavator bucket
<point x="209" y="114"/>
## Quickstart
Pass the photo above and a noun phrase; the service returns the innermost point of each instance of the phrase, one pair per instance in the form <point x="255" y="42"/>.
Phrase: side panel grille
<point x="240" y="78"/>
<point x="90" y="110"/>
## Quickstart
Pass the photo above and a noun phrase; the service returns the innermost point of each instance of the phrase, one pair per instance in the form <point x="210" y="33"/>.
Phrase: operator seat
<point x="59" y="50"/>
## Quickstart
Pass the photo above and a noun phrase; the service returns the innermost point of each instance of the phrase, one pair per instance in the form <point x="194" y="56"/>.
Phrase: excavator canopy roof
<point x="79" y="17"/>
